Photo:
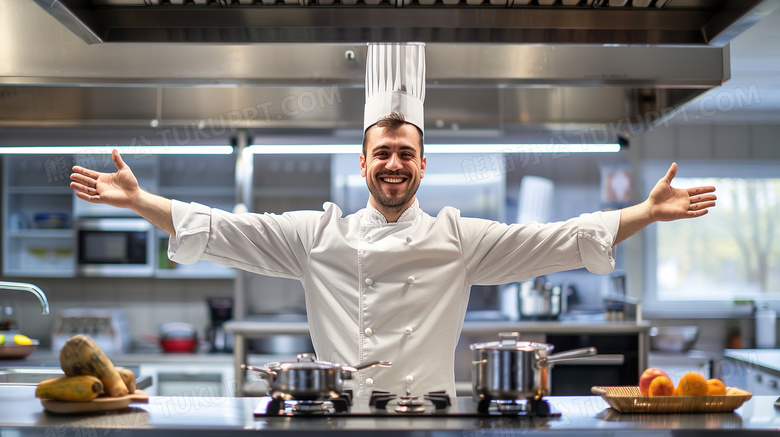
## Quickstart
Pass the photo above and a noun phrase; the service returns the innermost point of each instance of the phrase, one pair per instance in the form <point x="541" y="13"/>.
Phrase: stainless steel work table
<point x="252" y="328"/>
<point x="21" y="415"/>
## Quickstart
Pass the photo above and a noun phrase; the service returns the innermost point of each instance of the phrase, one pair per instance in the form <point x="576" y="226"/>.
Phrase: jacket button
<point x="369" y="382"/>
<point x="369" y="282"/>
<point x="408" y="330"/>
<point x="410" y="279"/>
<point x="409" y="379"/>
<point x="369" y="332"/>
<point x="408" y="240"/>
<point x="368" y="238"/>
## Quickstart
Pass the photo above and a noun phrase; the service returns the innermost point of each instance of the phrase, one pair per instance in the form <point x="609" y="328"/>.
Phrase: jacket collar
<point x="374" y="216"/>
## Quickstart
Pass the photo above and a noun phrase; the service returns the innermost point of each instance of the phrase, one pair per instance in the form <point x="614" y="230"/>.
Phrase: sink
<point x="28" y="375"/>
<point x="33" y="375"/>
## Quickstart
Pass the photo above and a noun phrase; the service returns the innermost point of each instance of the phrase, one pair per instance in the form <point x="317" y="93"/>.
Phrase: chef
<point x="390" y="282"/>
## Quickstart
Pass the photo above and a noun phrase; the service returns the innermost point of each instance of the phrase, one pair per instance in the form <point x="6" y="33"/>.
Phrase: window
<point x="730" y="255"/>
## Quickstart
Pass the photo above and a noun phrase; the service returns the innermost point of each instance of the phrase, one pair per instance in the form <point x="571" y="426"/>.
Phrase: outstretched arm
<point x="121" y="189"/>
<point x="665" y="203"/>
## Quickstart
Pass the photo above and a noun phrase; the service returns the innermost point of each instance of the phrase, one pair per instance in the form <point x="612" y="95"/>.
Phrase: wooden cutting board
<point x="99" y="404"/>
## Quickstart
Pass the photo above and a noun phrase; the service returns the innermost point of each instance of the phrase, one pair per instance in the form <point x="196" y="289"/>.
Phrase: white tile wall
<point x="731" y="142"/>
<point x="694" y="142"/>
<point x="765" y="142"/>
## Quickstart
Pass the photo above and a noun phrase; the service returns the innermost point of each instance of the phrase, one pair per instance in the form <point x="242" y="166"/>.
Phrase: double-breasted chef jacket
<point x="393" y="292"/>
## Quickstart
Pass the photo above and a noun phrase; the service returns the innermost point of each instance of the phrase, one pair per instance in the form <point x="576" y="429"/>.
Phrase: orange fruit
<point x="692" y="384"/>
<point x="661" y="386"/>
<point x="716" y="387"/>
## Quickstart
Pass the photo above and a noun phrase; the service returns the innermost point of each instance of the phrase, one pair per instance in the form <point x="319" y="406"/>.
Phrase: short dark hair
<point x="392" y="121"/>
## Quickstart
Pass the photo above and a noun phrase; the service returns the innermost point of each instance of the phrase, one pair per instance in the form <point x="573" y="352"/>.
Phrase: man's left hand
<point x="668" y="203"/>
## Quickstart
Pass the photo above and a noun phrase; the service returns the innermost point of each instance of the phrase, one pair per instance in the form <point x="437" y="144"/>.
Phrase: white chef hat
<point x="395" y="82"/>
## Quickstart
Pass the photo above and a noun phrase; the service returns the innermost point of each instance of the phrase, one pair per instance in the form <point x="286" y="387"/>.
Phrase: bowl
<point x="673" y="338"/>
<point x="51" y="220"/>
<point x="17" y="351"/>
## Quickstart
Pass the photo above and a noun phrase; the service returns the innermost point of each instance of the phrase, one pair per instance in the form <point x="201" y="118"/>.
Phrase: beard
<point x="395" y="200"/>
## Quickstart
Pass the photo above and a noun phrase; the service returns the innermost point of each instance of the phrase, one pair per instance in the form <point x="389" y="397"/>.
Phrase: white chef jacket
<point x="393" y="292"/>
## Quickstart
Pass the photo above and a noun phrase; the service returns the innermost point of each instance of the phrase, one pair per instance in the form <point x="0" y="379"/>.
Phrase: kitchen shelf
<point x="198" y="191"/>
<point x="29" y="189"/>
<point x="195" y="274"/>
<point x="276" y="192"/>
<point x="38" y="273"/>
<point x="39" y="190"/>
<point x="41" y="233"/>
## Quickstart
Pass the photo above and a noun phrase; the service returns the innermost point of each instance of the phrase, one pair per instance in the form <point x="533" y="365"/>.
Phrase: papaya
<point x="81" y="388"/>
<point x="81" y="356"/>
<point x="128" y="377"/>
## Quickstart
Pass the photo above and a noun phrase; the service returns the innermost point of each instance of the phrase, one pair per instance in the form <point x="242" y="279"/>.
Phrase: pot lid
<point x="511" y="341"/>
<point x="305" y="361"/>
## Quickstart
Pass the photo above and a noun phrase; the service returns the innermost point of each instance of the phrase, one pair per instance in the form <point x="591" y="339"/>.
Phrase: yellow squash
<point x="82" y="388"/>
<point x="81" y="356"/>
<point x="128" y="377"/>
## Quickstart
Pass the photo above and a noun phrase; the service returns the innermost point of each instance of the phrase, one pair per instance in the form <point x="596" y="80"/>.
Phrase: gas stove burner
<point x="433" y="402"/>
<point x="439" y="399"/>
<point x="516" y="407"/>
<point x="410" y="404"/>
<point x="304" y="407"/>
<point x="308" y="407"/>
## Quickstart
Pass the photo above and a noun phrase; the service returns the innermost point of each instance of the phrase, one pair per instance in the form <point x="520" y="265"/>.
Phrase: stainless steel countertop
<point x="767" y="360"/>
<point x="188" y="416"/>
<point x="259" y="327"/>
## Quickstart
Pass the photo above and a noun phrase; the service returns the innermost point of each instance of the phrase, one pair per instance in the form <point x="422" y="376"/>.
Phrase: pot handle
<point x="362" y="366"/>
<point x="569" y="355"/>
<point x="508" y="338"/>
<point x="263" y="372"/>
<point x="347" y="372"/>
<point x="307" y="356"/>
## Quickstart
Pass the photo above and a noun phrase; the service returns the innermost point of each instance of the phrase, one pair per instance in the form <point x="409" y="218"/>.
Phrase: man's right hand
<point x="117" y="189"/>
<point x="121" y="189"/>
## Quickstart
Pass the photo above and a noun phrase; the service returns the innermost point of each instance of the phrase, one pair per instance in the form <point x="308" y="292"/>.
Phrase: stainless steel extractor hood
<point x="712" y="22"/>
<point x="51" y="78"/>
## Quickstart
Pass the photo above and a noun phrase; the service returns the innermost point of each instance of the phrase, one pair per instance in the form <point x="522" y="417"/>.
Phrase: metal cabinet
<point x="40" y="210"/>
<point x="38" y="237"/>
<point x="194" y="379"/>
<point x="617" y="362"/>
<point x="756" y="372"/>
<point x="764" y="384"/>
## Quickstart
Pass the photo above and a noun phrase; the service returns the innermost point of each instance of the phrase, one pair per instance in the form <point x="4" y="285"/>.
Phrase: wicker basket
<point x="630" y="400"/>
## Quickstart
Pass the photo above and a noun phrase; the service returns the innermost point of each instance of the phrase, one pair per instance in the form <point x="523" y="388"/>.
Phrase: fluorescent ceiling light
<point x="332" y="149"/>
<point x="125" y="150"/>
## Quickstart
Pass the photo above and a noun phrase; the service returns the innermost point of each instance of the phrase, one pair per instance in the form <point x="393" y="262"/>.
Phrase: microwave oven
<point x="115" y="247"/>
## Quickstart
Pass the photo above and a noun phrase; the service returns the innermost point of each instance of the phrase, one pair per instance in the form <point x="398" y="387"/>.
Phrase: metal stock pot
<point x="510" y="369"/>
<point x="308" y="378"/>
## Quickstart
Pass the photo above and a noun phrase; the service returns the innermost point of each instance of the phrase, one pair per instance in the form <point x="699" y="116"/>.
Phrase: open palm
<point x="669" y="203"/>
<point x="118" y="189"/>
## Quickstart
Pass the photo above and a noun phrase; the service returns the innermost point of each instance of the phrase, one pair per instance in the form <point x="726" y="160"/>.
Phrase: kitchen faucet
<point x="32" y="289"/>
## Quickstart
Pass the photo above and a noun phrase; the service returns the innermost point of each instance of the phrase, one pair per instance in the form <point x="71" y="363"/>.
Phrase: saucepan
<point x="176" y="337"/>
<point x="509" y="369"/>
<point x="308" y="378"/>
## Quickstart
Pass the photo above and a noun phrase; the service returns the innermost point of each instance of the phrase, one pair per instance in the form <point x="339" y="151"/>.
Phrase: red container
<point x="187" y="345"/>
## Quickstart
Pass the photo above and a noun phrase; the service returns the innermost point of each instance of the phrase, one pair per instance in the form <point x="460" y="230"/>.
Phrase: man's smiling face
<point x="393" y="167"/>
